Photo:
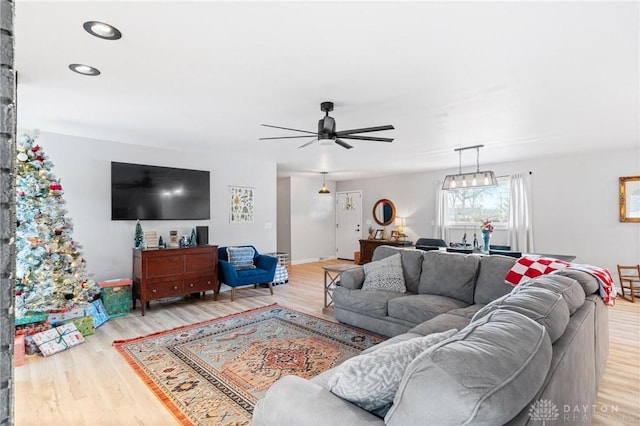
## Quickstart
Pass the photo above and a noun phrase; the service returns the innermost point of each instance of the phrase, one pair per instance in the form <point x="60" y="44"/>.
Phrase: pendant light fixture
<point x="324" y="189"/>
<point x="472" y="179"/>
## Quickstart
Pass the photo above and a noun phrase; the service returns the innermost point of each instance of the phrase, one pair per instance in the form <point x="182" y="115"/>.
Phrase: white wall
<point x="284" y="215"/>
<point x="84" y="167"/>
<point x="312" y="219"/>
<point x="575" y="202"/>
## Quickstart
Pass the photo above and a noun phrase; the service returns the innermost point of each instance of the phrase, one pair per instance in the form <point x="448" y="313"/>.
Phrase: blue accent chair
<point x="264" y="272"/>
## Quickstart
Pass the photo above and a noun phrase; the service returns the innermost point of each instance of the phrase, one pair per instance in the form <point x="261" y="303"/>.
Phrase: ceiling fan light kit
<point x="327" y="134"/>
<point x="471" y="179"/>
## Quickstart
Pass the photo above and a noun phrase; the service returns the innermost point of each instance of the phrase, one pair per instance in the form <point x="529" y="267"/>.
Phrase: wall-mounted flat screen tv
<point x="158" y="193"/>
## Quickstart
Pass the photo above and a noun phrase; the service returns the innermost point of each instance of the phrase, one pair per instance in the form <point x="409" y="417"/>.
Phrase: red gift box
<point x="18" y="351"/>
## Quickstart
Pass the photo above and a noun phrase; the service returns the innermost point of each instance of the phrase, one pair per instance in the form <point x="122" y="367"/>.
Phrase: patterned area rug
<point x="212" y="373"/>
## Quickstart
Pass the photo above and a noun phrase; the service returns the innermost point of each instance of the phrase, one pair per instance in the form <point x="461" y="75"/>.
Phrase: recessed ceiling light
<point x="102" y="30"/>
<point x="84" y="69"/>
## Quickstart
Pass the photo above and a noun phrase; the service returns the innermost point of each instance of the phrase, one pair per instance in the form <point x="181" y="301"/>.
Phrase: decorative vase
<point x="486" y="237"/>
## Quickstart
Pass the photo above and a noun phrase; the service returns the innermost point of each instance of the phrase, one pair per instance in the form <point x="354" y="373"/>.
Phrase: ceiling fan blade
<point x="287" y="128"/>
<point x="367" y="138"/>
<point x="343" y="144"/>
<point x="365" y="130"/>
<point x="283" y="137"/>
<point x="308" y="143"/>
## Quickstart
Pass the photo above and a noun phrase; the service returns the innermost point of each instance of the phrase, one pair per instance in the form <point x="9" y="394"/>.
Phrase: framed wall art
<point x="241" y="204"/>
<point x="630" y="199"/>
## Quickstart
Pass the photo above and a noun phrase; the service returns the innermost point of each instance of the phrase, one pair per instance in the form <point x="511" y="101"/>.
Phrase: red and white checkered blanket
<point x="528" y="267"/>
<point x="605" y="281"/>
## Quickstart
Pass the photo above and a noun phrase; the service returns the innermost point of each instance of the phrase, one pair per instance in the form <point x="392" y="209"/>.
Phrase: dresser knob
<point x="208" y="282"/>
<point x="191" y="285"/>
<point x="153" y="291"/>
<point x="175" y="287"/>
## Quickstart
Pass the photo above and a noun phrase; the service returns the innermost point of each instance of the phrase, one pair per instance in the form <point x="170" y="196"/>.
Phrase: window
<point x="471" y="206"/>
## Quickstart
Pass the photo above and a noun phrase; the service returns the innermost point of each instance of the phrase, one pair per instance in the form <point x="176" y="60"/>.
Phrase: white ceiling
<point x="523" y="78"/>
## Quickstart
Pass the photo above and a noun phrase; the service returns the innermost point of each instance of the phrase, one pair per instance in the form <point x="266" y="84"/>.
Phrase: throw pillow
<point x="385" y="274"/>
<point x="528" y="267"/>
<point x="371" y="380"/>
<point x="241" y="257"/>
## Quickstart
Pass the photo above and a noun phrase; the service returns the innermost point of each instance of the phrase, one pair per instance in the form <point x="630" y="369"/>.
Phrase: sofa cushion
<point x="485" y="374"/>
<point x="440" y="323"/>
<point x="241" y="257"/>
<point x="352" y="278"/>
<point x="421" y="307"/>
<point x="372" y="302"/>
<point x="467" y="312"/>
<point x="371" y="380"/>
<point x="588" y="282"/>
<point x="490" y="283"/>
<point x="569" y="288"/>
<point x="411" y="264"/>
<point x="541" y="305"/>
<point x="385" y="274"/>
<point x="449" y="274"/>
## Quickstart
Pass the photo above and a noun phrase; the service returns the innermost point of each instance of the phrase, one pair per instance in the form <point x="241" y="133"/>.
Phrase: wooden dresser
<point x="169" y="272"/>
<point x="368" y="246"/>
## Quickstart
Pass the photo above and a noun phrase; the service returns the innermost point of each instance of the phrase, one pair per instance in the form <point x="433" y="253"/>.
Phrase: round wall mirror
<point x="384" y="212"/>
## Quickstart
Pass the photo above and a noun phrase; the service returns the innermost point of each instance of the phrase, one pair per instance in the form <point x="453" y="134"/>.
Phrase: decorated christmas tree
<point x="138" y="239"/>
<point x="50" y="271"/>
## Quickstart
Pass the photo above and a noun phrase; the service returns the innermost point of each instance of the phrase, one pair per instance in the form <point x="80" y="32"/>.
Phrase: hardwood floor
<point x="92" y="385"/>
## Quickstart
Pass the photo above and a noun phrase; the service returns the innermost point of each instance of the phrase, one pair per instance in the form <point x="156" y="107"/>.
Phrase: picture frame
<point x="379" y="234"/>
<point x="630" y="199"/>
<point x="395" y="236"/>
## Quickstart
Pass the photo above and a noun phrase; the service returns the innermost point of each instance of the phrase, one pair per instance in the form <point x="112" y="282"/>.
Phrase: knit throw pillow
<point x="385" y="274"/>
<point x="371" y="380"/>
<point x="241" y="257"/>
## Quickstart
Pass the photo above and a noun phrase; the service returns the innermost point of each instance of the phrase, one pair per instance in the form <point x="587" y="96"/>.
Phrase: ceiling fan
<point x="327" y="134"/>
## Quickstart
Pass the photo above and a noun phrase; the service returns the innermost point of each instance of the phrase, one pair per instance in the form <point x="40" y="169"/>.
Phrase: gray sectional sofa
<point x="522" y="355"/>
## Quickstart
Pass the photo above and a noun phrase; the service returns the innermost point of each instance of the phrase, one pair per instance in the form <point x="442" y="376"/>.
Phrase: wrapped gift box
<point x="18" y="351"/>
<point x="116" y="296"/>
<point x="58" y="339"/>
<point x="32" y="328"/>
<point x="98" y="312"/>
<point x="84" y="325"/>
<point x="30" y="347"/>
<point x="31" y="317"/>
<point x="62" y="315"/>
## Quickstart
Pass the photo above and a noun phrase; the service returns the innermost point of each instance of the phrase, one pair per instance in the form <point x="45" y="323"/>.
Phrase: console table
<point x="170" y="272"/>
<point x="368" y="246"/>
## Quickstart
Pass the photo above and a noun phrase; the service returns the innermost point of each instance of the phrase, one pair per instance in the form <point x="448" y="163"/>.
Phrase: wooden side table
<point x="332" y="280"/>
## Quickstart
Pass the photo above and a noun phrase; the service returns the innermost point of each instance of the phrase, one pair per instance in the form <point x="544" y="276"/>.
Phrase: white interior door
<point x="348" y="223"/>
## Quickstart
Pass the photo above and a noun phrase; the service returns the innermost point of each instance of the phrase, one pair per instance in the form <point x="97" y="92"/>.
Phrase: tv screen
<point x="158" y="193"/>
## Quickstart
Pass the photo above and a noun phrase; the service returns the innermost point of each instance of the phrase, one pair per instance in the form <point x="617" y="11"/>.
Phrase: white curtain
<point x="520" y="214"/>
<point x="442" y="231"/>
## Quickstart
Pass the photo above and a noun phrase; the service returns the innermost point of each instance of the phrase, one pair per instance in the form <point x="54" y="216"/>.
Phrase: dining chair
<point x="629" y="278"/>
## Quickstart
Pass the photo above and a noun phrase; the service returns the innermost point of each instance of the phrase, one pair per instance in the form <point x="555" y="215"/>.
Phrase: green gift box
<point x="31" y="317"/>
<point x="116" y="296"/>
<point x="83" y="324"/>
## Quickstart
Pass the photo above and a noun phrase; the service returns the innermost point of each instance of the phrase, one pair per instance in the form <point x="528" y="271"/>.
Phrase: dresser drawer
<point x="166" y="289"/>
<point x="199" y="284"/>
